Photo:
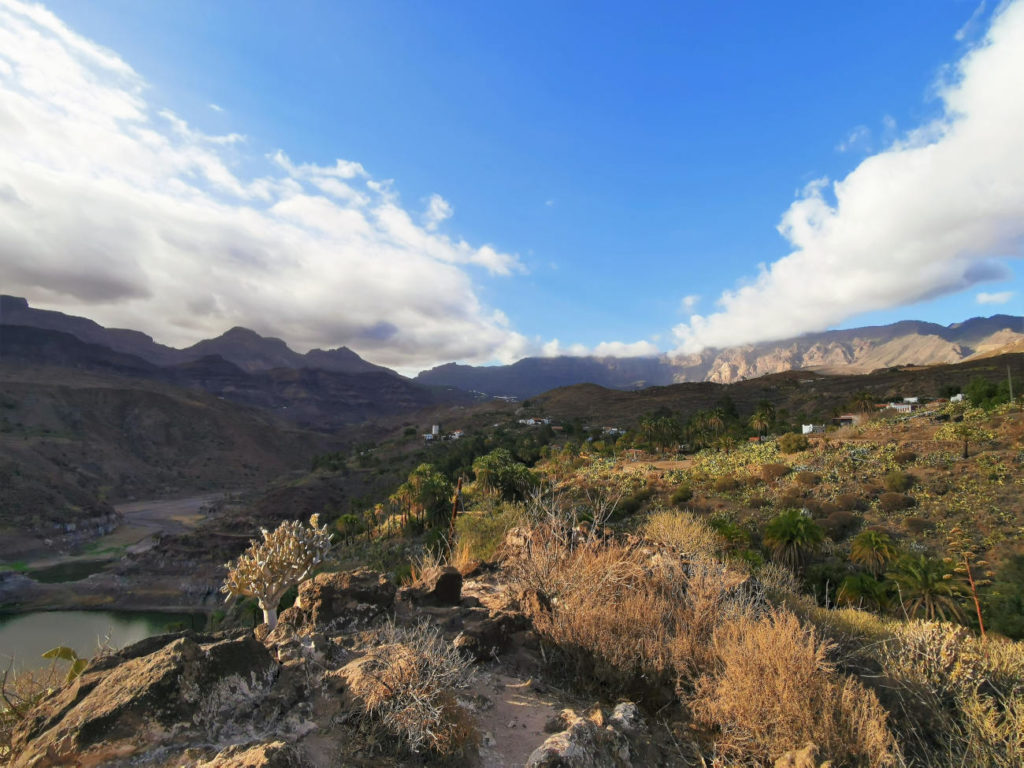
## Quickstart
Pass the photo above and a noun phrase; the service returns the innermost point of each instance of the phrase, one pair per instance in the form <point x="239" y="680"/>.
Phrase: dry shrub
<point x="625" y="619"/>
<point x="682" y="532"/>
<point x="19" y="692"/>
<point x="839" y="525"/>
<point x="726" y="483"/>
<point x="918" y="525"/>
<point x="774" y="689"/>
<point x="808" y="479"/>
<point x="772" y="472"/>
<point x="758" y="501"/>
<point x="957" y="700"/>
<point x="893" y="502"/>
<point x="904" y="457"/>
<point x="850" y="501"/>
<point x="791" y="499"/>
<point x="406" y="685"/>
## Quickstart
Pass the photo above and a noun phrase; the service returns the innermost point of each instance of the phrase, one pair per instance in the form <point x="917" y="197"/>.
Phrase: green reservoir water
<point x="75" y="570"/>
<point x="28" y="635"/>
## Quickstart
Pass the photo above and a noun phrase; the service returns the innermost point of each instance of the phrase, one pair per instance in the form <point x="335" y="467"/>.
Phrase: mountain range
<point x="258" y="370"/>
<point x="856" y="350"/>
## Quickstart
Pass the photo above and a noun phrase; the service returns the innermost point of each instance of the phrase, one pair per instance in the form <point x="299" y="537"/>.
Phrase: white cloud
<point x="689" y="303"/>
<point x="215" y="107"/>
<point x="554" y="348"/>
<point x="856" y="138"/>
<point x="994" y="298"/>
<point x="937" y="212"/>
<point x="549" y="203"/>
<point x="438" y="209"/>
<point x="115" y="208"/>
<point x="965" y="30"/>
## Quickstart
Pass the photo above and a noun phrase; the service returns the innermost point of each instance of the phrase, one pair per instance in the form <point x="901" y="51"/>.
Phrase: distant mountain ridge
<point x="241" y="346"/>
<point x="313" y="398"/>
<point x="855" y="350"/>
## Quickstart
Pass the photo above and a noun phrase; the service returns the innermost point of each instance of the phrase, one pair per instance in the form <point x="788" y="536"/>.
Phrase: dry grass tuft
<point x="775" y="689"/>
<point x="407" y="685"/>
<point x="629" y="618"/>
<point x="957" y="700"/>
<point x="683" y="533"/>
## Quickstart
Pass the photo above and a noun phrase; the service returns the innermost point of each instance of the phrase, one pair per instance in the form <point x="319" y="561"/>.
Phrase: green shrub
<point x="791" y="442"/>
<point x="726" y="483"/>
<point x="898" y="482"/>
<point x="349" y="526"/>
<point x="682" y="494"/>
<point x="481" y="533"/>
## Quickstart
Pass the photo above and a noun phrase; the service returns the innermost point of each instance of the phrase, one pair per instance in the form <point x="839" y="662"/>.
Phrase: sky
<point x="478" y="182"/>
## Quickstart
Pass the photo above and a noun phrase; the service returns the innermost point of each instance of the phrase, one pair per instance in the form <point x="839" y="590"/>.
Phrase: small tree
<point x="271" y="567"/>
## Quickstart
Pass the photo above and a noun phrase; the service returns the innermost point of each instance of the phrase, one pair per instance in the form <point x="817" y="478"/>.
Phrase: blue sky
<point x="617" y="160"/>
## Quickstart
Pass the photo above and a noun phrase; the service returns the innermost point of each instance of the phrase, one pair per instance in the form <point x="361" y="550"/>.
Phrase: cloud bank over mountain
<point x="111" y="204"/>
<point x="939" y="211"/>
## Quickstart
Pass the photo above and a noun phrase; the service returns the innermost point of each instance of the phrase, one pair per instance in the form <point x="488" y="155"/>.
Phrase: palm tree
<point x="716" y="420"/>
<point x="926" y="587"/>
<point x="759" y="422"/>
<point x="861" y="589"/>
<point x="763" y="417"/>
<point x="791" y="537"/>
<point x="864" y="402"/>
<point x="873" y="550"/>
<point x="725" y="443"/>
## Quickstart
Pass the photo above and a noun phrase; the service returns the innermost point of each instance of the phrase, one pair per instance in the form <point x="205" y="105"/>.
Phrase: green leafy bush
<point x="791" y="442"/>
<point x="682" y="494"/>
<point x="726" y="483"/>
<point x="898" y="481"/>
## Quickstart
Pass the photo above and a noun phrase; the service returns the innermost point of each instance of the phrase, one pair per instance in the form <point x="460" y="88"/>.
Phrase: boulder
<point x="334" y="598"/>
<point x="593" y="741"/>
<point x="486" y="637"/>
<point x="159" y="692"/>
<point x="274" y="754"/>
<point x="438" y="586"/>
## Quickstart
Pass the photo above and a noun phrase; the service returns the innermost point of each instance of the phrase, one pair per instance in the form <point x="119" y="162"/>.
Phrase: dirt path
<point x="144" y="520"/>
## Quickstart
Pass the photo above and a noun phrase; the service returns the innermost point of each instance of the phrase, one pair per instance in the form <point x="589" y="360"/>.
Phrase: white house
<point x="959" y="398"/>
<point x="812" y="429"/>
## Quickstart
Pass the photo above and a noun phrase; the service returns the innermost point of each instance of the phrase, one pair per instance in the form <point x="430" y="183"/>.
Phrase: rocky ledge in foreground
<point x="356" y="673"/>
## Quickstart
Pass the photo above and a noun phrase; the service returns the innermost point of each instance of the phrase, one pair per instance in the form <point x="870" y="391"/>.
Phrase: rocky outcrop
<point x="438" y="586"/>
<point x="594" y="741"/>
<point x="275" y="754"/>
<point x="156" y="694"/>
<point x="340" y="599"/>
